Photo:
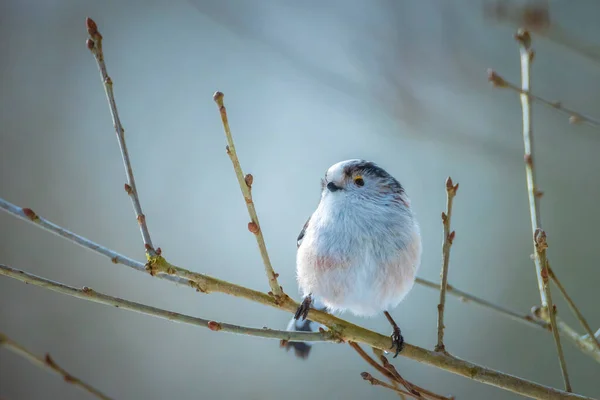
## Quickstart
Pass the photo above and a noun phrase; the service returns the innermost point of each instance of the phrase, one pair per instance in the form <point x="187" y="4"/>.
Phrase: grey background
<point x="307" y="84"/>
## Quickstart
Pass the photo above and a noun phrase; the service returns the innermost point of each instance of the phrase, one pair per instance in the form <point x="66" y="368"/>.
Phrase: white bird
<point x="359" y="251"/>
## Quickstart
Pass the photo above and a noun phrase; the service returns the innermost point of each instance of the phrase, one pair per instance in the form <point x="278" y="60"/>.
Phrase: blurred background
<point x="306" y="84"/>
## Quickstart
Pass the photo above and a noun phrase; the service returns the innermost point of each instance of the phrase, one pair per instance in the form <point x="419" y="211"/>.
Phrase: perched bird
<point x="359" y="251"/>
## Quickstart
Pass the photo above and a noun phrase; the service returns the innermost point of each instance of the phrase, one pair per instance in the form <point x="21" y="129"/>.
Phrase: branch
<point x="245" y="183"/>
<point x="344" y="330"/>
<point x="49" y="364"/>
<point x="376" y="382"/>
<point x="582" y="342"/>
<point x="91" y="295"/>
<point x="526" y="54"/>
<point x="378" y="367"/>
<point x="94" y="44"/>
<point x="446" y="244"/>
<point x="574" y="308"/>
<point x="392" y="374"/>
<point x="574" y="116"/>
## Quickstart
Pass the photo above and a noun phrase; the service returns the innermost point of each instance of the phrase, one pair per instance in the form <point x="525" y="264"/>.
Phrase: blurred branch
<point x="446" y="244"/>
<point x="245" y="183"/>
<point x="89" y="294"/>
<point x="49" y="364"/>
<point x="539" y="237"/>
<point x="573" y="307"/>
<point x="94" y="44"/>
<point x="534" y="15"/>
<point x="574" y="116"/>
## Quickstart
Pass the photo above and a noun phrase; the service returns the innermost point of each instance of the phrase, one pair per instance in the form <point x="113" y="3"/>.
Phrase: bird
<point x="359" y="251"/>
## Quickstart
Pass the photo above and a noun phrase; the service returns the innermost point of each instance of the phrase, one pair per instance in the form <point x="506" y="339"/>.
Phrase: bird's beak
<point x="332" y="187"/>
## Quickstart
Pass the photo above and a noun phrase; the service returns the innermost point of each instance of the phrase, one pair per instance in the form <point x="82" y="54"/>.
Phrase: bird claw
<point x="303" y="309"/>
<point x="397" y="341"/>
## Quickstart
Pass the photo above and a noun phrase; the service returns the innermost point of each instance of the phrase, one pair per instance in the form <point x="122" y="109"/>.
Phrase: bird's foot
<point x="396" y="336"/>
<point x="397" y="341"/>
<point x="302" y="310"/>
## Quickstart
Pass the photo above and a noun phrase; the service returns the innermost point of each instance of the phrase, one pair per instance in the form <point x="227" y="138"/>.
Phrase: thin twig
<point x="446" y="244"/>
<point x="539" y="237"/>
<point x="245" y="182"/>
<point x="343" y="329"/>
<point x="581" y="341"/>
<point x="573" y="307"/>
<point x="574" y="116"/>
<point x="376" y="382"/>
<point x="382" y="370"/>
<point x="94" y="44"/>
<point x="466" y="297"/>
<point x="27" y="214"/>
<point x="540" y="247"/>
<point x="49" y="364"/>
<point x="89" y="294"/>
<point x="411" y="387"/>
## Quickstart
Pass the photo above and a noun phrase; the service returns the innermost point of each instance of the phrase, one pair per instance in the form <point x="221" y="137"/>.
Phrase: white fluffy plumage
<point x="361" y="248"/>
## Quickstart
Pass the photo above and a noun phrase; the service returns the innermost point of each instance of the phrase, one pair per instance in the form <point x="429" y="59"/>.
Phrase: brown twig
<point x="245" y="182"/>
<point x="376" y="382"/>
<point x="451" y="189"/>
<point x="411" y="387"/>
<point x="48" y="363"/>
<point x="390" y="372"/>
<point x="574" y="308"/>
<point x="94" y="44"/>
<point x="539" y="237"/>
<point x="574" y="116"/>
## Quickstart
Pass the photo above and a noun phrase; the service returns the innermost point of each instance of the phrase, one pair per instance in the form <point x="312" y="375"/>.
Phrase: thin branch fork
<point x="574" y="117"/>
<point x="245" y="182"/>
<point x="48" y="363"/>
<point x="574" y="308"/>
<point x="451" y="189"/>
<point x="94" y="44"/>
<point x="390" y="372"/>
<point x="539" y="239"/>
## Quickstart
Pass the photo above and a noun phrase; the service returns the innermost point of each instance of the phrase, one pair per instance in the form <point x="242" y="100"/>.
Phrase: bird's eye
<point x="359" y="181"/>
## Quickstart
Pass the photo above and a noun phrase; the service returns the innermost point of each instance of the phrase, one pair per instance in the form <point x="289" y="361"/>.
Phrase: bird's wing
<point x="302" y="232"/>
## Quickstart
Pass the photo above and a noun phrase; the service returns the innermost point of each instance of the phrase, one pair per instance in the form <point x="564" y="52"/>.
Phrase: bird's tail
<point x="302" y="349"/>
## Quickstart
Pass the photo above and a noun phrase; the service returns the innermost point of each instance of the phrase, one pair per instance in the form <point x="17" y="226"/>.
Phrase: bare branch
<point x="574" y="308"/>
<point x="376" y="382"/>
<point x="574" y="116"/>
<point x="446" y="244"/>
<point x="49" y="364"/>
<point x="91" y="295"/>
<point x="27" y="214"/>
<point x="94" y="44"/>
<point x="582" y="342"/>
<point x="344" y="330"/>
<point x="539" y="239"/>
<point x="245" y="182"/>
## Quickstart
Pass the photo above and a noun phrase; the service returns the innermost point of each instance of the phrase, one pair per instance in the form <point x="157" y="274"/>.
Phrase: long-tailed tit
<point x="360" y="249"/>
